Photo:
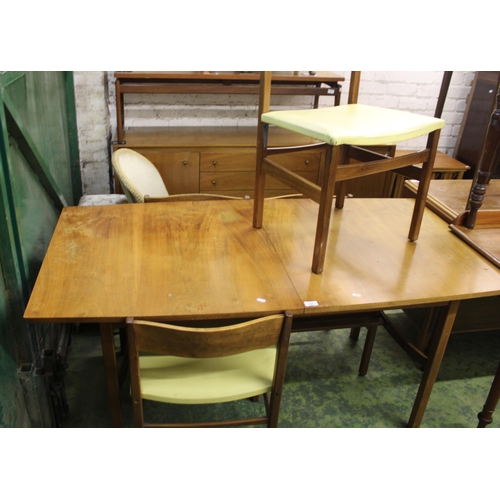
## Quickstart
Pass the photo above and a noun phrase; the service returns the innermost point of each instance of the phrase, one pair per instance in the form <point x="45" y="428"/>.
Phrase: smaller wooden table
<point x="448" y="198"/>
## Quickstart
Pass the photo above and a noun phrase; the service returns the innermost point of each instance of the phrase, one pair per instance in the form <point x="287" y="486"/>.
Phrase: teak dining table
<point x="203" y="260"/>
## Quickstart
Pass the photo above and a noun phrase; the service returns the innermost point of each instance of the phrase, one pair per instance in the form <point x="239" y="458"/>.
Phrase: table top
<point x="174" y="260"/>
<point x="370" y="264"/>
<point x="203" y="259"/>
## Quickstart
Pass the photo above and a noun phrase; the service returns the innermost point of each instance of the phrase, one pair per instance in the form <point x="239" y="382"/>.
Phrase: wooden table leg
<point x="439" y="342"/>
<point x="110" y="367"/>
<point x="486" y="416"/>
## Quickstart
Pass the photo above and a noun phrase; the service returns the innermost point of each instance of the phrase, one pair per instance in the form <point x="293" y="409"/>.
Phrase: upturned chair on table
<point x="181" y="365"/>
<point x="344" y="131"/>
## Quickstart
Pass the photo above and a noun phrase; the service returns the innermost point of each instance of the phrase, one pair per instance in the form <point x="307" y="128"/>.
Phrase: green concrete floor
<point x="322" y="386"/>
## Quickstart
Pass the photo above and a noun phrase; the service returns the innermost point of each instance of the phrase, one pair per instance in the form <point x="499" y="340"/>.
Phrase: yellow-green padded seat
<point x="356" y="124"/>
<point x="172" y="379"/>
<point x="137" y="175"/>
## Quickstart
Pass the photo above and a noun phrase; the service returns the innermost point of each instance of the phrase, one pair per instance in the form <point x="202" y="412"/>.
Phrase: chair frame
<point x="209" y="342"/>
<point x="337" y="168"/>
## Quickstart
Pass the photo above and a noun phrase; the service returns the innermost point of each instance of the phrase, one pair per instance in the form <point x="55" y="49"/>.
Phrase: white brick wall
<point x="94" y="130"/>
<point x="415" y="91"/>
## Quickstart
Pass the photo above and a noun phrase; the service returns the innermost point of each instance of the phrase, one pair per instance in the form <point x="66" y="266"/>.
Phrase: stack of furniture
<point x="189" y="263"/>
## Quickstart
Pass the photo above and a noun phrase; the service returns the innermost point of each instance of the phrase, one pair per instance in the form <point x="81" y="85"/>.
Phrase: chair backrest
<point x="265" y="90"/>
<point x="189" y="197"/>
<point x="354" y="87"/>
<point x="137" y="175"/>
<point x="165" y="339"/>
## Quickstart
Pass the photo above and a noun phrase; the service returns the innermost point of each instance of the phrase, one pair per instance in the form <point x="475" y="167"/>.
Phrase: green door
<point x="39" y="175"/>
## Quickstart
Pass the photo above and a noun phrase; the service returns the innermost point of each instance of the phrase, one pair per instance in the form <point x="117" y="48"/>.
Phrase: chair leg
<point x="340" y="194"/>
<point x="260" y="177"/>
<point x="367" y="350"/>
<point x="423" y="187"/>
<point x="123" y="341"/>
<point x="274" y="402"/>
<point x="332" y="159"/>
<point x="354" y="334"/>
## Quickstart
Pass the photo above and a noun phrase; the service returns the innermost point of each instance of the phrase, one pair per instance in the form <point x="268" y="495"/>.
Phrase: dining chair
<point x="184" y="365"/>
<point x="345" y="133"/>
<point x="137" y="175"/>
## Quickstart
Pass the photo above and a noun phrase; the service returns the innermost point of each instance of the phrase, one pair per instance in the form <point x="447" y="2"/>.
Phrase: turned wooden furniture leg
<point x="445" y="321"/>
<point x="486" y="162"/>
<point x="332" y="158"/>
<point x="110" y="367"/>
<point x="486" y="416"/>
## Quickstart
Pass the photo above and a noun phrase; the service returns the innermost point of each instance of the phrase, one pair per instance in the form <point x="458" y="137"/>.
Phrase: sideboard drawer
<point x="245" y="161"/>
<point x="225" y="181"/>
<point x="230" y="161"/>
<point x="180" y="171"/>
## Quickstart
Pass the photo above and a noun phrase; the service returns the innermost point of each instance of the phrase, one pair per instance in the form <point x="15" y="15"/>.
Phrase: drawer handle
<point x="185" y="162"/>
<point x="307" y="162"/>
<point x="213" y="182"/>
<point x="214" y="163"/>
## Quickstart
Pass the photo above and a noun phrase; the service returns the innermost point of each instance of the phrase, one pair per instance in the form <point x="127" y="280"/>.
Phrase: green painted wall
<point x="39" y="174"/>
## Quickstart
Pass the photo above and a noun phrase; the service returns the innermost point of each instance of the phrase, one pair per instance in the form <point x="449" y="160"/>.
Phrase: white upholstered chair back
<point x="137" y="175"/>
